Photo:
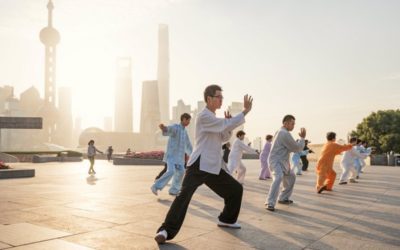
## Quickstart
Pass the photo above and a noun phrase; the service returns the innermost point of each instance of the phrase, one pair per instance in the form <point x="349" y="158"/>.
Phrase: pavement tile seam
<point x="5" y="244"/>
<point x="326" y="234"/>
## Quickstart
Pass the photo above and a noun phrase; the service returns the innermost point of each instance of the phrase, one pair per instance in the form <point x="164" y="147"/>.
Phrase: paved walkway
<point x="63" y="208"/>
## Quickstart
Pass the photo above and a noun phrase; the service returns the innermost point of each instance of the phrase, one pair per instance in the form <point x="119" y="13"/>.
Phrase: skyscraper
<point x="150" y="113"/>
<point x="50" y="37"/>
<point x="163" y="72"/>
<point x="64" y="123"/>
<point x="123" y="115"/>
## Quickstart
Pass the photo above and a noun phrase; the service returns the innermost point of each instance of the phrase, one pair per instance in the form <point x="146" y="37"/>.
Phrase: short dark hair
<point x="268" y="137"/>
<point x="185" y="116"/>
<point x="210" y="91"/>
<point x="358" y="141"/>
<point x="91" y="141"/>
<point x="330" y="136"/>
<point x="288" y="118"/>
<point x="353" y="139"/>
<point x="240" y="133"/>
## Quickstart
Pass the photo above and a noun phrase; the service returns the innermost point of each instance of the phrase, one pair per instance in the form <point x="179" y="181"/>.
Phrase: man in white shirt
<point x="204" y="166"/>
<point x="235" y="157"/>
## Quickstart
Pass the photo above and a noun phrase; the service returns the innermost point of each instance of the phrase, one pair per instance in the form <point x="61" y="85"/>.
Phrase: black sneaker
<point x="321" y="189"/>
<point x="343" y="183"/>
<point x="270" y="208"/>
<point x="285" y="202"/>
<point x="161" y="237"/>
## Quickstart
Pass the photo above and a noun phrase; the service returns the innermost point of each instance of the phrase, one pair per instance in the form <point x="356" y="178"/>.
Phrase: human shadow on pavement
<point x="91" y="180"/>
<point x="172" y="246"/>
<point x="392" y="234"/>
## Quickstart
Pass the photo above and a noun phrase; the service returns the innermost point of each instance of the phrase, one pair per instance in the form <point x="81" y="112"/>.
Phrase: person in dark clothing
<point x="110" y="151"/>
<point x="303" y="157"/>
<point x="227" y="149"/>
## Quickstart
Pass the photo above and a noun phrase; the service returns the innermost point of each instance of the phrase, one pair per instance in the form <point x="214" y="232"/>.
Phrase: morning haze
<point x="328" y="63"/>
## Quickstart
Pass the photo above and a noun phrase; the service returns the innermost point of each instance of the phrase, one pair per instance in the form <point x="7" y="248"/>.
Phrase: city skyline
<point x="329" y="64"/>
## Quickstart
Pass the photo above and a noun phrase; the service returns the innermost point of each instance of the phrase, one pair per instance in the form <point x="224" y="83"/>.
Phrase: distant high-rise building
<point x="5" y="93"/>
<point x="163" y="72"/>
<point x="50" y="37"/>
<point x="123" y="116"/>
<point x="150" y="113"/>
<point x="11" y="138"/>
<point x="108" y="123"/>
<point x="64" y="123"/>
<point x="178" y="110"/>
<point x="30" y="101"/>
<point x="77" y="130"/>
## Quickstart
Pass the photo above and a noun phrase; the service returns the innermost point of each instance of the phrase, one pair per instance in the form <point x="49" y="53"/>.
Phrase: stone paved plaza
<point x="63" y="208"/>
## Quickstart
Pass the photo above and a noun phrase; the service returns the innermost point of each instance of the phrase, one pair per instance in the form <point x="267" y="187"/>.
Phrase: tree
<point x="381" y="130"/>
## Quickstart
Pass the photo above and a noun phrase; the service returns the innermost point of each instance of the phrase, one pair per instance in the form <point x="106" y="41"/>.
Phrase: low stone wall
<point x="51" y="158"/>
<point x="136" y="161"/>
<point x="16" y="173"/>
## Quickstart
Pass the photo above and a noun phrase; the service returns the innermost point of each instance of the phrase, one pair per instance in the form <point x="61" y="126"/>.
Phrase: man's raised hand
<point x="247" y="104"/>
<point x="302" y="133"/>
<point x="162" y="127"/>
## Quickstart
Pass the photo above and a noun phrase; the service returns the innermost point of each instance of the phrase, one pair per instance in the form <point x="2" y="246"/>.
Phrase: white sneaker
<point x="234" y="225"/>
<point x="161" y="237"/>
<point x="154" y="190"/>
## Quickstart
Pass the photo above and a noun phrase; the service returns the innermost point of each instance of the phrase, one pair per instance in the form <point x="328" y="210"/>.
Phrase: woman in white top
<point x="235" y="156"/>
<point x="91" y="152"/>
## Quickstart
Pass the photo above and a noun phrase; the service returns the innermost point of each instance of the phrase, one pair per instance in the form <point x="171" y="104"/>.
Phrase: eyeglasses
<point x="218" y="96"/>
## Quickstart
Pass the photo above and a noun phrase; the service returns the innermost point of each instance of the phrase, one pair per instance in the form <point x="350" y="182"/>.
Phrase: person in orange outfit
<point x="325" y="173"/>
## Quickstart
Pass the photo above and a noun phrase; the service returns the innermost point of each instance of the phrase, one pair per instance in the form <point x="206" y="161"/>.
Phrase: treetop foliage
<point x="381" y="130"/>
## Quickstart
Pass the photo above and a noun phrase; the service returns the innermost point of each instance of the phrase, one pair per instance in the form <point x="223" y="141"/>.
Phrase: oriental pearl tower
<point x="50" y="37"/>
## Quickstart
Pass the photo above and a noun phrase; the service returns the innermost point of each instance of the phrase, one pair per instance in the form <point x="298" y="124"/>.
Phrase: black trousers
<point x="222" y="184"/>
<point x="304" y="160"/>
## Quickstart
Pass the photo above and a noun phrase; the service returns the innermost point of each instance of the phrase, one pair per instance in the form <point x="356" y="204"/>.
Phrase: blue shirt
<point x="178" y="144"/>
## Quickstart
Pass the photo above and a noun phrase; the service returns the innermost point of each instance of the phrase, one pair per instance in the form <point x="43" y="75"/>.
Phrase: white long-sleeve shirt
<point x="238" y="147"/>
<point x="211" y="132"/>
<point x="282" y="145"/>
<point x="350" y="156"/>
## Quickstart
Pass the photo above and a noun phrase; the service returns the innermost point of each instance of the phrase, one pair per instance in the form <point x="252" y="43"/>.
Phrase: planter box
<point x="136" y="161"/>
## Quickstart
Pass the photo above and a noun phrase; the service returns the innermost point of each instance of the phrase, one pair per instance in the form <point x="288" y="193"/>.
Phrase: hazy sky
<point x="329" y="63"/>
